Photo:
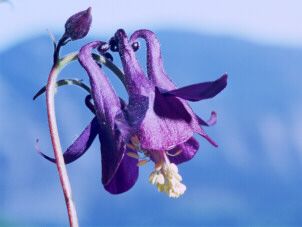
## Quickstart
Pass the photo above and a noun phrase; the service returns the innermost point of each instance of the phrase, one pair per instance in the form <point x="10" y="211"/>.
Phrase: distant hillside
<point x="252" y="178"/>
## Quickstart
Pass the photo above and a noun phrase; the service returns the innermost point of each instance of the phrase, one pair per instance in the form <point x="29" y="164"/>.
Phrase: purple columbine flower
<point x="166" y="133"/>
<point x="162" y="122"/>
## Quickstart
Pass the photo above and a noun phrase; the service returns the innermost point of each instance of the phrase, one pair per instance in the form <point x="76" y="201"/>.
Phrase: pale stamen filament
<point x="175" y="154"/>
<point x="143" y="162"/>
<point x="133" y="155"/>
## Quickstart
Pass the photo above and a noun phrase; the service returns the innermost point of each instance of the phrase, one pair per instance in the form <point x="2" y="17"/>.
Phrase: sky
<point x="269" y="21"/>
<point x="259" y="137"/>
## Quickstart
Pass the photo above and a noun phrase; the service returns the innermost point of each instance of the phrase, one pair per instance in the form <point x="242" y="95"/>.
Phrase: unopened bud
<point x="78" y="25"/>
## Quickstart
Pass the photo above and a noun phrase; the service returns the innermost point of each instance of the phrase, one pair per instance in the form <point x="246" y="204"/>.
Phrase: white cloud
<point x="296" y="130"/>
<point x="233" y="143"/>
<point x="272" y="21"/>
<point x="275" y="140"/>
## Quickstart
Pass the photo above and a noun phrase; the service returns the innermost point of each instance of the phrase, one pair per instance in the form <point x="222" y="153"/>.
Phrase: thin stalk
<point x="110" y="65"/>
<point x="59" y="83"/>
<point x="53" y="127"/>
<point x="78" y="82"/>
<point x="55" y="139"/>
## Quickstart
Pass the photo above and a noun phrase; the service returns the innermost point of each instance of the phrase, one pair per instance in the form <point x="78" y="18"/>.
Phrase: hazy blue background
<point x="253" y="178"/>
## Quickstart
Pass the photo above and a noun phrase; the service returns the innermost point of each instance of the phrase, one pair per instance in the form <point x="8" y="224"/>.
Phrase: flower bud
<point x="78" y="25"/>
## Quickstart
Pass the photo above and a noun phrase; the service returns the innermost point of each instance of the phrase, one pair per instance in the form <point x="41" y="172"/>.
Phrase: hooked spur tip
<point x="89" y="10"/>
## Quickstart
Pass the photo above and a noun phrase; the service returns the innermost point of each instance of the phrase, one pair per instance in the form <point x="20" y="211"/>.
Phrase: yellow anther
<point x="131" y="146"/>
<point x="142" y="162"/>
<point x="133" y="155"/>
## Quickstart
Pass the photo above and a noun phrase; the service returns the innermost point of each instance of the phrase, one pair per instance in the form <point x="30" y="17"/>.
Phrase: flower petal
<point x="187" y="151"/>
<point x="208" y="138"/>
<point x="170" y="107"/>
<point x="135" y="80"/>
<point x="125" y="177"/>
<point x="210" y="122"/>
<point x="163" y="84"/>
<point x="197" y="92"/>
<point x="106" y="102"/>
<point x="155" y="68"/>
<point x="166" y="122"/>
<point x="130" y="117"/>
<point x="112" y="151"/>
<point x="157" y="74"/>
<point x="107" y="107"/>
<point x="136" y="110"/>
<point x="80" y="145"/>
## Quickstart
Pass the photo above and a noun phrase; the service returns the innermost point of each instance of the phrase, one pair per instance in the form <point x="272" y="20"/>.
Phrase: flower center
<point x="165" y="175"/>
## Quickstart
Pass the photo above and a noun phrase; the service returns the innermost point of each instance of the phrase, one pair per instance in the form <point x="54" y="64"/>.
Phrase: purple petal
<point x="188" y="149"/>
<point x="169" y="120"/>
<point x="161" y="80"/>
<point x="210" y="122"/>
<point x="209" y="139"/>
<point x="129" y="119"/>
<point x="136" y="110"/>
<point x="80" y="145"/>
<point x="157" y="131"/>
<point x="112" y="151"/>
<point x="167" y="123"/>
<point x="125" y="177"/>
<point x="155" y="68"/>
<point x="197" y="92"/>
<point x="156" y="73"/>
<point x="106" y="102"/>
<point x="107" y="107"/>
<point x="135" y="79"/>
<point x="170" y="107"/>
<point x="123" y="103"/>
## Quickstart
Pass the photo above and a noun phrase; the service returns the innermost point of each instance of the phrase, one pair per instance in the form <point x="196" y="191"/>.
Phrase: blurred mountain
<point x="253" y="178"/>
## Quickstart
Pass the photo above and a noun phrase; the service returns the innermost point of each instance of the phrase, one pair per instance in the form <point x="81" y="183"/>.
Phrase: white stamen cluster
<point x="165" y="176"/>
<point x="168" y="180"/>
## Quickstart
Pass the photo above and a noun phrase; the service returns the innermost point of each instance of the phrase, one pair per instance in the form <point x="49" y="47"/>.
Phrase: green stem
<point x="98" y="58"/>
<point x="63" y="82"/>
<point x="109" y="64"/>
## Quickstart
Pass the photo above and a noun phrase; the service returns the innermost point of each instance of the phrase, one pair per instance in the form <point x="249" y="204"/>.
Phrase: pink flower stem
<point x="53" y="128"/>
<point x="55" y="139"/>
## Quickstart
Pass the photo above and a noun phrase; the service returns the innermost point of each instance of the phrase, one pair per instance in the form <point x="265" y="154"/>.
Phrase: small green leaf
<point x="63" y="82"/>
